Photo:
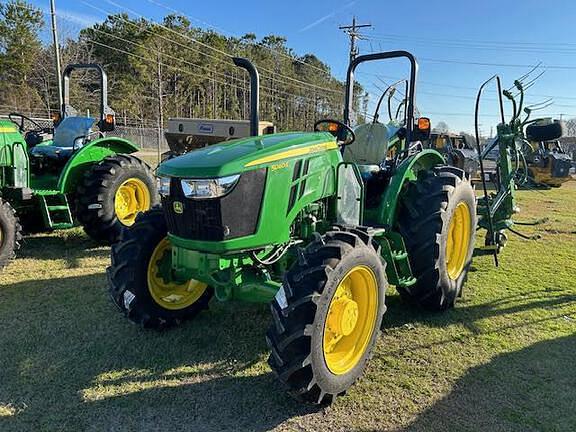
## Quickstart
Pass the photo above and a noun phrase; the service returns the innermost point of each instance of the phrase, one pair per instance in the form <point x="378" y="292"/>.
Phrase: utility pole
<point x="56" y="54"/>
<point x="352" y="31"/>
<point x="160" y="105"/>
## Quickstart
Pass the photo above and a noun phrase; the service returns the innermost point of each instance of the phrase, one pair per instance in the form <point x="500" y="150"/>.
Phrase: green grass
<point x="503" y="360"/>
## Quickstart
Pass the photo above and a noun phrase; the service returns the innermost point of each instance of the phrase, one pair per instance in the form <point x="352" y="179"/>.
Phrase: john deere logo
<point x="178" y="207"/>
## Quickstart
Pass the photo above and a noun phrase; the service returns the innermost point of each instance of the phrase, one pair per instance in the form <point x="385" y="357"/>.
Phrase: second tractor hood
<point x="234" y="157"/>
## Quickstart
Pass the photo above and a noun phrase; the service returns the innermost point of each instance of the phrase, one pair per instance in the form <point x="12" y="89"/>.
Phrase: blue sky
<point x="501" y="33"/>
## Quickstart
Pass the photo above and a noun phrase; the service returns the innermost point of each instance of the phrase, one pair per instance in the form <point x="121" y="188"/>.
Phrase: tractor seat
<point x="371" y="145"/>
<point x="69" y="136"/>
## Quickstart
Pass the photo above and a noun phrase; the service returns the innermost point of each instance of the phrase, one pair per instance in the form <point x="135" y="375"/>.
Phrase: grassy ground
<point x="503" y="360"/>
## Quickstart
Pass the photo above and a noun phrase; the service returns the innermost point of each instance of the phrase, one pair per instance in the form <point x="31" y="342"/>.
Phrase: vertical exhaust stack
<point x="254" y="92"/>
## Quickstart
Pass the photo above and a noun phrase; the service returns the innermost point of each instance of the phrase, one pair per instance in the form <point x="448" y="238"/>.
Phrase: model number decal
<point x="319" y="147"/>
<point x="279" y="166"/>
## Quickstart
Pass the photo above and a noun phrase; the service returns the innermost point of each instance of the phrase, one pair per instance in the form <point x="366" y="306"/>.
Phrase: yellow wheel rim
<point x="171" y="295"/>
<point x="132" y="197"/>
<point x="458" y="243"/>
<point x="351" y="319"/>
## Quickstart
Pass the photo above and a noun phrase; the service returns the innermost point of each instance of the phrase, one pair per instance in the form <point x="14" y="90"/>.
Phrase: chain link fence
<point x="147" y="138"/>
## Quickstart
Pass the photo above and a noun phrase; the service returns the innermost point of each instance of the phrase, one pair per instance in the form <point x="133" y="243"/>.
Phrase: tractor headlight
<point x="208" y="188"/>
<point x="163" y="186"/>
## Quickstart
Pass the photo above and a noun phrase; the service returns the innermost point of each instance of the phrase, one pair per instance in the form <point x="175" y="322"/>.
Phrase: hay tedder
<point x="318" y="224"/>
<point x="548" y="164"/>
<point x="80" y="175"/>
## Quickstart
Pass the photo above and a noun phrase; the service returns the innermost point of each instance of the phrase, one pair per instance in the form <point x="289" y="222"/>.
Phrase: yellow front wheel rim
<point x="131" y="198"/>
<point x="171" y="295"/>
<point x="458" y="242"/>
<point x="351" y="320"/>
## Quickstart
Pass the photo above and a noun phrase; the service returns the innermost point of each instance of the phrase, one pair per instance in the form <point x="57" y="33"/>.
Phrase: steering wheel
<point x="342" y="132"/>
<point x="39" y="129"/>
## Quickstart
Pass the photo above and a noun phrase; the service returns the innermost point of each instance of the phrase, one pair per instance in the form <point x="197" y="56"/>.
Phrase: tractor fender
<point x="405" y="172"/>
<point x="90" y="154"/>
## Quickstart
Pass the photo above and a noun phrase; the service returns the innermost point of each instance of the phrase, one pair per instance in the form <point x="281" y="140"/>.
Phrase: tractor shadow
<point x="506" y="393"/>
<point x="401" y="315"/>
<point x="70" y="246"/>
<point x="71" y="361"/>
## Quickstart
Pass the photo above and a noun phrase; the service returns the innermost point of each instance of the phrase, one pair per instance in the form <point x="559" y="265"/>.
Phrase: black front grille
<point x="231" y="216"/>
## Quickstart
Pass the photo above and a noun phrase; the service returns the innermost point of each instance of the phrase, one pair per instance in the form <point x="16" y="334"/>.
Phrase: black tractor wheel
<point x="437" y="219"/>
<point x="327" y="316"/>
<point x="545" y="132"/>
<point x="136" y="284"/>
<point x="10" y="233"/>
<point x="112" y="193"/>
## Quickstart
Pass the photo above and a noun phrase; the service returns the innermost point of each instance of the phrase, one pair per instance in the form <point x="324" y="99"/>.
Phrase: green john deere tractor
<point x="319" y="224"/>
<point x="78" y="176"/>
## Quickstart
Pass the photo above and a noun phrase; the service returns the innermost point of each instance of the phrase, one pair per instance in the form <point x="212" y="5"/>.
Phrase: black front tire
<point x="11" y="233"/>
<point x="426" y="209"/>
<point x="127" y="275"/>
<point x="95" y="197"/>
<point x="300" y="311"/>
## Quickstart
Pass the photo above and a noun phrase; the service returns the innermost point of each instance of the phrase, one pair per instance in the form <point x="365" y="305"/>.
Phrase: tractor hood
<point x="233" y="157"/>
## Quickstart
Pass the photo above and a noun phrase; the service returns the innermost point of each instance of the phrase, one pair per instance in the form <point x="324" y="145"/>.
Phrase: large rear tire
<point x="112" y="194"/>
<point x="437" y="219"/>
<point x="327" y="316"/>
<point x="10" y="233"/>
<point x="135" y="283"/>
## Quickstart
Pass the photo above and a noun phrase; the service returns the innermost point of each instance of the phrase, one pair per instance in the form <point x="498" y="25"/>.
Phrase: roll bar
<point x="411" y="87"/>
<point x="67" y="109"/>
<point x="254" y="92"/>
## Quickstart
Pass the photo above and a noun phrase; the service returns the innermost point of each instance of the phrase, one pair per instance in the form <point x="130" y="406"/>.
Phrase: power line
<point x="219" y="29"/>
<point x="474" y="41"/>
<point x="509" y="65"/>
<point x="459" y="45"/>
<point x="297" y="101"/>
<point x="179" y="59"/>
<point x="445" y="85"/>
<point x="471" y="115"/>
<point x="186" y="36"/>
<point x="127" y="21"/>
<point x="164" y="54"/>
<point x="183" y="71"/>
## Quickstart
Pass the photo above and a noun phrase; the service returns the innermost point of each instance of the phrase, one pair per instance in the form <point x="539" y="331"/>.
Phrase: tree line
<point x="165" y="69"/>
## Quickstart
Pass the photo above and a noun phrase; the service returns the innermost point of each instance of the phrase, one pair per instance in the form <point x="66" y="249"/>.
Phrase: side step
<point x="394" y="252"/>
<point x="55" y="209"/>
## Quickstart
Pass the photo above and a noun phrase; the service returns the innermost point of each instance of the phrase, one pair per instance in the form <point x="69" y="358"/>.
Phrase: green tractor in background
<point x="79" y="175"/>
<point x="319" y="224"/>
